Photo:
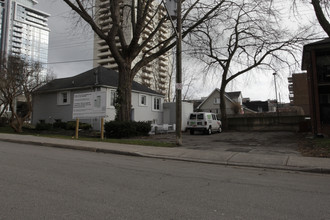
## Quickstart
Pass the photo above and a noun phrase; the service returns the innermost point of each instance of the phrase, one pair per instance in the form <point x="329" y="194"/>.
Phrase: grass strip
<point x="118" y="141"/>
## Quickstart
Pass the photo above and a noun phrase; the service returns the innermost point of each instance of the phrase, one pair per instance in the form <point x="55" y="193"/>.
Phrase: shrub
<point x="43" y="126"/>
<point x="85" y="126"/>
<point x="143" y="128"/>
<point x="116" y="129"/>
<point x="59" y="124"/>
<point x="3" y="121"/>
<point x="71" y="125"/>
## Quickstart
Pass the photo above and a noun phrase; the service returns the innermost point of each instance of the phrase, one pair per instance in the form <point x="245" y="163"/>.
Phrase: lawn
<point x="92" y="136"/>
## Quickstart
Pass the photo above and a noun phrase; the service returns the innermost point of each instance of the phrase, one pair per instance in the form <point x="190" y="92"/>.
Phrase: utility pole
<point x="277" y="112"/>
<point x="174" y="12"/>
<point x="178" y="85"/>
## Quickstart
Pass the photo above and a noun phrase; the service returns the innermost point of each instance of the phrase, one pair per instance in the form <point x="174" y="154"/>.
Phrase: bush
<point x="85" y="126"/>
<point x="43" y="126"/>
<point x="116" y="129"/>
<point x="4" y="121"/>
<point x="59" y="124"/>
<point x="71" y="125"/>
<point x="143" y="128"/>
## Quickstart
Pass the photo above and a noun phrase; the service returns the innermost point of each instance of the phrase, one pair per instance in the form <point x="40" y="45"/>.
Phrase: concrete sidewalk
<point x="284" y="162"/>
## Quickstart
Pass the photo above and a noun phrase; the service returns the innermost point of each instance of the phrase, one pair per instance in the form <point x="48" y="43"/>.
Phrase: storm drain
<point x="242" y="150"/>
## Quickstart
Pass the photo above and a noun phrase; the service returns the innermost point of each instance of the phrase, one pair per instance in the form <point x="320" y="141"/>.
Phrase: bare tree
<point x="247" y="35"/>
<point x="322" y="14"/>
<point x="19" y="79"/>
<point x="130" y="53"/>
<point x="321" y="10"/>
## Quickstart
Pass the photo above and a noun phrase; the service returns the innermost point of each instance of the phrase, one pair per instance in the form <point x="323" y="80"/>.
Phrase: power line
<point x="71" y="61"/>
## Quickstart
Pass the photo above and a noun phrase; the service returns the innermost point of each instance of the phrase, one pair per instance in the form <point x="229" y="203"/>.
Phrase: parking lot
<point x="255" y="142"/>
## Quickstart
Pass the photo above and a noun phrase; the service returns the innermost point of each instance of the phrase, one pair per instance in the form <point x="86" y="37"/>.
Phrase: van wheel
<point x="220" y="129"/>
<point x="209" y="131"/>
<point x="192" y="132"/>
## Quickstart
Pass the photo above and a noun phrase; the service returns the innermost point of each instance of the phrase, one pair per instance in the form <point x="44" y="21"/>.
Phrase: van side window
<point x="214" y="117"/>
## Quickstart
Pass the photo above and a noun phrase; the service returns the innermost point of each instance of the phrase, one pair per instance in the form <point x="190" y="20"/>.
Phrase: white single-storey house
<point x="212" y="102"/>
<point x="54" y="101"/>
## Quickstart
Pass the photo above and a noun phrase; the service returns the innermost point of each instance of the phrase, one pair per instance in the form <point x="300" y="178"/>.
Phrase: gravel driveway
<point x="254" y="142"/>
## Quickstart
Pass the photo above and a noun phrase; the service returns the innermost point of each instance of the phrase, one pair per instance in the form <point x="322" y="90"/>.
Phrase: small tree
<point x="237" y="108"/>
<point x="19" y="78"/>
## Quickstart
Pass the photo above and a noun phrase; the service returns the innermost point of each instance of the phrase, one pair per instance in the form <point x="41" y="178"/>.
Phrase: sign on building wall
<point x="89" y="105"/>
<point x="171" y="8"/>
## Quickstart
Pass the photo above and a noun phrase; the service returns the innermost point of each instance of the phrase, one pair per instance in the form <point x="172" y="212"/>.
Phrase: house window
<point x="143" y="100"/>
<point x="113" y="95"/>
<point x="97" y="102"/>
<point x="216" y="100"/>
<point x="63" y="98"/>
<point x="157" y="103"/>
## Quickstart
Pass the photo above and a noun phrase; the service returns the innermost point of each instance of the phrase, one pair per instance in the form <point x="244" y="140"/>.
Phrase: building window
<point x="216" y="100"/>
<point x="324" y="98"/>
<point x="157" y="104"/>
<point x="63" y="98"/>
<point x="143" y="100"/>
<point x="113" y="95"/>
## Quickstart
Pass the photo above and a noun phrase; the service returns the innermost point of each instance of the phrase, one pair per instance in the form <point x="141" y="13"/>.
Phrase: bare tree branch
<point x="129" y="55"/>
<point x="19" y="77"/>
<point x="242" y="38"/>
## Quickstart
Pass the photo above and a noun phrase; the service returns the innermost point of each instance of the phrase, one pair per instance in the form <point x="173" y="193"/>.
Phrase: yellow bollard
<point x="102" y="128"/>
<point x="77" y="128"/>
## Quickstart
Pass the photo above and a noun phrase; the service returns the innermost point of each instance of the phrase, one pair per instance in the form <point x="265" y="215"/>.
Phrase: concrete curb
<point x="236" y="164"/>
<point x="72" y="147"/>
<point x="287" y="163"/>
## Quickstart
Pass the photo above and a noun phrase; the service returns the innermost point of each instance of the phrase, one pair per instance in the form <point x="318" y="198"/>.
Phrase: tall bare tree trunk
<point x="124" y="95"/>
<point x="320" y="16"/>
<point x="224" y="119"/>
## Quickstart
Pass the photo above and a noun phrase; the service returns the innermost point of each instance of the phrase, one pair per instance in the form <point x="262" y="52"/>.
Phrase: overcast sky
<point x="71" y="53"/>
<point x="69" y="46"/>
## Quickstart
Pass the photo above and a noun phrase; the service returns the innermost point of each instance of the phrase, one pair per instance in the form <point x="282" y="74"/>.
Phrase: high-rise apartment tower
<point x="23" y="30"/>
<point x="155" y="75"/>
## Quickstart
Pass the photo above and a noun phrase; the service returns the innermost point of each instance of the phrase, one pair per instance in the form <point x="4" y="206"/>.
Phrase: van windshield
<point x="198" y="116"/>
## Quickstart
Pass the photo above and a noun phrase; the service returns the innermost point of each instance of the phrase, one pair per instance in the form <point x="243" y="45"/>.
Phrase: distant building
<point x="316" y="60"/>
<point x="257" y="106"/>
<point x="212" y="103"/>
<point x="23" y="30"/>
<point x="298" y="88"/>
<point x="154" y="75"/>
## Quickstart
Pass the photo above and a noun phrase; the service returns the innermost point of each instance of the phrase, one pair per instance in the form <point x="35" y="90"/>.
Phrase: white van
<point x="203" y="121"/>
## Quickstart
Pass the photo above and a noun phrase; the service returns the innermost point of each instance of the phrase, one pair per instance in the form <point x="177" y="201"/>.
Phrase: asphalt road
<point x="50" y="183"/>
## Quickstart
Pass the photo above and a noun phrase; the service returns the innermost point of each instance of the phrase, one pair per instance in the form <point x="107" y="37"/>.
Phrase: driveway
<point x="248" y="142"/>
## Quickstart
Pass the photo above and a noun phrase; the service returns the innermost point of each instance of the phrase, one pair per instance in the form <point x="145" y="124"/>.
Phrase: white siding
<point x="46" y="108"/>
